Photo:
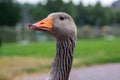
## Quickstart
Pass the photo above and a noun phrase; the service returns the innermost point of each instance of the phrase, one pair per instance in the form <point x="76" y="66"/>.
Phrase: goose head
<point x="59" y="24"/>
<point x="63" y="28"/>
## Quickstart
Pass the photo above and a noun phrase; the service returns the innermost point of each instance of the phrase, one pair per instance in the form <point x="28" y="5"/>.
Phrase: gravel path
<point x="102" y="72"/>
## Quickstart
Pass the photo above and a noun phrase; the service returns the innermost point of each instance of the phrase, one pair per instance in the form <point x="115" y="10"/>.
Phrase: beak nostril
<point x="42" y="23"/>
<point x="30" y="26"/>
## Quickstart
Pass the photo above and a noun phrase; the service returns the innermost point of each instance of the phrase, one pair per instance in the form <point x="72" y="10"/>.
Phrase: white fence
<point x="8" y="34"/>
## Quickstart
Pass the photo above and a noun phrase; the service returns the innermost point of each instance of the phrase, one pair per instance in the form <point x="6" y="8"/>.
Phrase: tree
<point x="71" y="9"/>
<point x="52" y="6"/>
<point x="91" y="14"/>
<point x="9" y="12"/>
<point x="118" y="16"/>
<point x="38" y="12"/>
<point x="81" y="14"/>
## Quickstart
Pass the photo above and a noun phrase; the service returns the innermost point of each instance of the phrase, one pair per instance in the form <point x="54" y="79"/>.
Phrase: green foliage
<point x="9" y="12"/>
<point x="93" y="15"/>
<point x="96" y="15"/>
<point x="118" y="16"/>
<point x="40" y="11"/>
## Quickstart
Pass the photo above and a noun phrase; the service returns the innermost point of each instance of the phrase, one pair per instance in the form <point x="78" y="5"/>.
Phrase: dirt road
<point x="101" y="72"/>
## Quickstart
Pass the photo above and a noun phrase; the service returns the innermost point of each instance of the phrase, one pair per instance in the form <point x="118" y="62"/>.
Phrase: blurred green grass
<point x="36" y="57"/>
<point x="40" y="49"/>
<point x="87" y="51"/>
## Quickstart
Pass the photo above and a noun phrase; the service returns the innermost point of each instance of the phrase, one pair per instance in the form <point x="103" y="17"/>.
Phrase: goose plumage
<point x="63" y="28"/>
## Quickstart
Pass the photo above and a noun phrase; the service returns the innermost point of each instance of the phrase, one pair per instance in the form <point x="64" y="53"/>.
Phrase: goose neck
<point x="63" y="61"/>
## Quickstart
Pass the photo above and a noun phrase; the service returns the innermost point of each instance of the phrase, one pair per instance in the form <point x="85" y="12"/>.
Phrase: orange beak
<point x="43" y="25"/>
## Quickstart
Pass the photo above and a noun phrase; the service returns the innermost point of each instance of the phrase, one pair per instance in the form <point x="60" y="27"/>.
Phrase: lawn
<point x="36" y="57"/>
<point x="97" y="50"/>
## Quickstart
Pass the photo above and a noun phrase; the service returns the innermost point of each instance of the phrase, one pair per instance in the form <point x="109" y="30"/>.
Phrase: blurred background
<point x="25" y="52"/>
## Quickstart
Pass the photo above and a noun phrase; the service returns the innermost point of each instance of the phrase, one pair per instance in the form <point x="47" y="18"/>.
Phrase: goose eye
<point x="61" y="18"/>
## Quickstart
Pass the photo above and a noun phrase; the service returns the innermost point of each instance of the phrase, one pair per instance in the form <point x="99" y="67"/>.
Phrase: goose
<point x="61" y="26"/>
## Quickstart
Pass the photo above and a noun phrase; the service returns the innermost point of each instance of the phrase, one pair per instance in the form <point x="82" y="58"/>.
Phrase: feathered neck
<point x="63" y="61"/>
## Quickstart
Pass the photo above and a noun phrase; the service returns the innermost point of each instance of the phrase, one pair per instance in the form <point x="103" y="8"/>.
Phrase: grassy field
<point x="36" y="57"/>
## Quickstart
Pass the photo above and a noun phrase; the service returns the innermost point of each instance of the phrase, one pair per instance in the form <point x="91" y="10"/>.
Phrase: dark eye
<point x="61" y="18"/>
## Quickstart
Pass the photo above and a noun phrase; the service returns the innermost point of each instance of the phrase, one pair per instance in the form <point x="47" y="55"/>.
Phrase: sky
<point x="85" y="2"/>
